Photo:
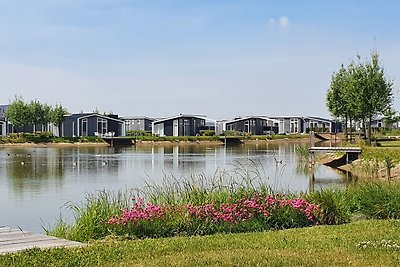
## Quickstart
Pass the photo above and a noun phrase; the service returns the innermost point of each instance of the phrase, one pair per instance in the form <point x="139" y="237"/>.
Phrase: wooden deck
<point x="336" y="149"/>
<point x="14" y="240"/>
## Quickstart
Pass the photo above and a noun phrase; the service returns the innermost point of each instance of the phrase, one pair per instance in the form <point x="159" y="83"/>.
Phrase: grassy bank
<point x="363" y="243"/>
<point x="49" y="138"/>
<point x="46" y="138"/>
<point x="203" y="206"/>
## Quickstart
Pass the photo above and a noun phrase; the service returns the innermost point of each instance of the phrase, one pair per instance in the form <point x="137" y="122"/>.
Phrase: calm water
<point x="35" y="183"/>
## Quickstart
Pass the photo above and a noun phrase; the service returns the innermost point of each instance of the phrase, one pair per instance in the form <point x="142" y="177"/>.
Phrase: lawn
<point x="314" y="246"/>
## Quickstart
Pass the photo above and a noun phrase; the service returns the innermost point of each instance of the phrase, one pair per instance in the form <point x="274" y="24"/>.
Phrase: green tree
<point x="57" y="117"/>
<point x="360" y="92"/>
<point x="390" y="117"/>
<point x="35" y="113"/>
<point x="17" y="112"/>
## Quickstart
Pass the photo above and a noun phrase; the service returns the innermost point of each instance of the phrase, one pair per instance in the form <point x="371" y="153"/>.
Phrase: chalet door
<point x="175" y="128"/>
<point x="84" y="127"/>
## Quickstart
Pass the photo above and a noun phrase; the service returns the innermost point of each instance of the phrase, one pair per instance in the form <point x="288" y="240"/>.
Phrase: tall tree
<point x="17" y="112"/>
<point x="58" y="114"/>
<point x="35" y="113"/>
<point x="363" y="92"/>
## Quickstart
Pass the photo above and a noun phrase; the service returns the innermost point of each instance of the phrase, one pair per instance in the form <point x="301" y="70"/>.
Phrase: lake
<point x="37" y="182"/>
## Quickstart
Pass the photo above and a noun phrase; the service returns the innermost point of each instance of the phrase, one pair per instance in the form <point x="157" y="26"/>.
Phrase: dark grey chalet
<point x="92" y="124"/>
<point x="138" y="123"/>
<point x="3" y="120"/>
<point x="182" y="125"/>
<point x="253" y="125"/>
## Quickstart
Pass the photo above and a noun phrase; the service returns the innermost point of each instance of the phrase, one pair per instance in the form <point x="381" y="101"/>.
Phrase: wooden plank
<point x="336" y="149"/>
<point x="13" y="240"/>
<point x="39" y="244"/>
<point x="7" y="229"/>
<point x="19" y="239"/>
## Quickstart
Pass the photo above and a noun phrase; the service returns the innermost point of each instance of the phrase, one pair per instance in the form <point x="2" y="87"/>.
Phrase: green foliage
<point x="302" y="151"/>
<point x="138" y="133"/>
<point x="207" y="132"/>
<point x="47" y="138"/>
<point x="375" y="200"/>
<point x="333" y="203"/>
<point x="91" y="216"/>
<point x="360" y="92"/>
<point x="389" y="157"/>
<point x="17" y="112"/>
<point x="33" y="113"/>
<point x="232" y="133"/>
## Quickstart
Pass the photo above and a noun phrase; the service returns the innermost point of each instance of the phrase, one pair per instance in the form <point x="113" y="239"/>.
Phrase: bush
<point x="207" y="132"/>
<point x="334" y="206"/>
<point x="376" y="200"/>
<point x="138" y="133"/>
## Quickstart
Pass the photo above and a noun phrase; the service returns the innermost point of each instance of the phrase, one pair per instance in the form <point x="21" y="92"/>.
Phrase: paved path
<point x="13" y="240"/>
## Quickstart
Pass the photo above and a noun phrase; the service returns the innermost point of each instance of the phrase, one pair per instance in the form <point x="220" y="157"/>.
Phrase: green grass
<point x="316" y="246"/>
<point x="46" y="137"/>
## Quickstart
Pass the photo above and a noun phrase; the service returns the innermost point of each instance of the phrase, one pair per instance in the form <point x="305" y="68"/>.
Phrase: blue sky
<point x="161" y="58"/>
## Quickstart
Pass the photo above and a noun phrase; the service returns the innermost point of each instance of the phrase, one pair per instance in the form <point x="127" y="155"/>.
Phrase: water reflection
<point x="38" y="181"/>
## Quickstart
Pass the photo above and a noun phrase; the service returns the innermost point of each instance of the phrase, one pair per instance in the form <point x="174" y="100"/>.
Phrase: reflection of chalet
<point x="92" y="124"/>
<point x="182" y="125"/>
<point x="252" y="125"/>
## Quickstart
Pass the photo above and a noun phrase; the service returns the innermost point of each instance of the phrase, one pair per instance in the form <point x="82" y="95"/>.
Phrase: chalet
<point x="181" y="125"/>
<point x="289" y="124"/>
<point x="300" y="124"/>
<point x="3" y="120"/>
<point x="138" y="123"/>
<point x="92" y="124"/>
<point x="318" y="124"/>
<point x="252" y="125"/>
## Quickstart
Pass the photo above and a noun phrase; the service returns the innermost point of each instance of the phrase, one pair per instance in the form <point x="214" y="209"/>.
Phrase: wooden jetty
<point x="14" y="240"/>
<point x="335" y="149"/>
<point x="119" y="141"/>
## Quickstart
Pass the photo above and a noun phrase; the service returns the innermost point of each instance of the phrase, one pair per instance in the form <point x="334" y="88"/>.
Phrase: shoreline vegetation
<point x="374" y="163"/>
<point x="357" y="226"/>
<point x="48" y="139"/>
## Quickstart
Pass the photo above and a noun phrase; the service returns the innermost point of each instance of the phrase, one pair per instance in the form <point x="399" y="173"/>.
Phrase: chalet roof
<point x="250" y="117"/>
<point x="180" y="116"/>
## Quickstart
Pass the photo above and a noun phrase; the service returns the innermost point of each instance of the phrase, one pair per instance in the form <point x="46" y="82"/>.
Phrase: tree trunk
<point x="369" y="130"/>
<point x="351" y="130"/>
<point x="345" y="129"/>
<point x="364" y="128"/>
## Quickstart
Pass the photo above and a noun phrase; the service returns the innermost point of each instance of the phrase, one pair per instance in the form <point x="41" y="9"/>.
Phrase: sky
<point x="219" y="58"/>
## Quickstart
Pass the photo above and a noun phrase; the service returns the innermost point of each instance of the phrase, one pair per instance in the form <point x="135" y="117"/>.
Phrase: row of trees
<point x="360" y="92"/>
<point x="21" y="113"/>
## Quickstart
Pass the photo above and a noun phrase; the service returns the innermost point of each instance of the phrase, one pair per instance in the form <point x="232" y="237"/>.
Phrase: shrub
<point x="334" y="206"/>
<point x="138" y="133"/>
<point x="207" y="132"/>
<point x="376" y="200"/>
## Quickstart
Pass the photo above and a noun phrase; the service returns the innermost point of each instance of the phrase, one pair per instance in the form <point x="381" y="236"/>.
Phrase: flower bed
<point x="255" y="213"/>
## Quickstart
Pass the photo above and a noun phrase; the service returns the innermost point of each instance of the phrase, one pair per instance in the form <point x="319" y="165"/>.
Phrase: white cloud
<point x="284" y="21"/>
<point x="271" y="22"/>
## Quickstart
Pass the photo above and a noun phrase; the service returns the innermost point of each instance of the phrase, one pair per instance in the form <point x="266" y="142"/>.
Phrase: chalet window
<point x="101" y="125"/>
<point x="84" y="127"/>
<point x="294" y="125"/>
